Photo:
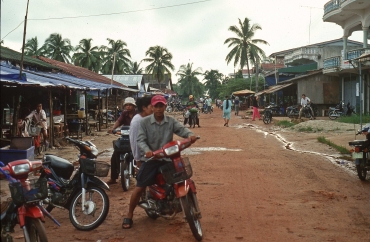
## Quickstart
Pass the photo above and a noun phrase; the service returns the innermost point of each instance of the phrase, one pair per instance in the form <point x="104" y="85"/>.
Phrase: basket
<point x="94" y="168"/>
<point x="31" y="191"/>
<point x="172" y="176"/>
<point x="34" y="131"/>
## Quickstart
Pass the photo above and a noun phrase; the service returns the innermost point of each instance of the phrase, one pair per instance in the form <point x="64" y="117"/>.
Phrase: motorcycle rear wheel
<point x="36" y="230"/>
<point x="267" y="116"/>
<point x="97" y="207"/>
<point x="333" y="115"/>
<point x="361" y="172"/>
<point x="192" y="215"/>
<point x="125" y="174"/>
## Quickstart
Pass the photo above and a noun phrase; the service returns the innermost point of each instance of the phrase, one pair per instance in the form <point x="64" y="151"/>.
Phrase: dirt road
<point x="250" y="188"/>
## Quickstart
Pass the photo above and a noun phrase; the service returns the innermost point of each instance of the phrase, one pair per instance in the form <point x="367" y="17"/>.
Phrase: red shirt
<point x="125" y="119"/>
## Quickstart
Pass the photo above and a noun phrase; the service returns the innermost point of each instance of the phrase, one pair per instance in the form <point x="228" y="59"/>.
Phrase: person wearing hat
<point x="124" y="119"/>
<point x="192" y="107"/>
<point x="155" y="131"/>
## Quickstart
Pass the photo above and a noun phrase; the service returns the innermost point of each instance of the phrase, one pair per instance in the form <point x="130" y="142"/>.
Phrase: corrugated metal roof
<point x="128" y="80"/>
<point x="80" y="72"/>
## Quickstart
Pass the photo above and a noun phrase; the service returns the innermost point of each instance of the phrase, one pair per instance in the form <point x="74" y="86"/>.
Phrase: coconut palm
<point x="87" y="56"/>
<point x="31" y="48"/>
<point x="189" y="81"/>
<point x="58" y="48"/>
<point x="160" y="62"/>
<point x="213" y="81"/>
<point x="115" y="51"/>
<point x="135" y="68"/>
<point x="244" y="48"/>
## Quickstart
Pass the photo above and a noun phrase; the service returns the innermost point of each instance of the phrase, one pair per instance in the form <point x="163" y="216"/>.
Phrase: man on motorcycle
<point x="39" y="116"/>
<point x="124" y="119"/>
<point x="155" y="131"/>
<point x="192" y="107"/>
<point x="305" y="101"/>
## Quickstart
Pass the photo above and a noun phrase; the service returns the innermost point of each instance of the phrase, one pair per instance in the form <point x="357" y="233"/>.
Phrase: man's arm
<point x="181" y="130"/>
<point x="142" y="138"/>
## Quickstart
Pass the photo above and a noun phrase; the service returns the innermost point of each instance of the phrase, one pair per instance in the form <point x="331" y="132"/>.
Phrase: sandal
<point x="128" y="222"/>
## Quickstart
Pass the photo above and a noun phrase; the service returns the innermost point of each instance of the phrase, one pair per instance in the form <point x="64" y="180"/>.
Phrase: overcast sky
<point x="193" y="31"/>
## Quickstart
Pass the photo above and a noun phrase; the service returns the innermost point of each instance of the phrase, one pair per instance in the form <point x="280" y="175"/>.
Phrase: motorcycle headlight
<point x="18" y="169"/>
<point x="171" y="150"/>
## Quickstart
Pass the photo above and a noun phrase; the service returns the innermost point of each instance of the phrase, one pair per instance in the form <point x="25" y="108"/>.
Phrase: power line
<point x="107" y="14"/>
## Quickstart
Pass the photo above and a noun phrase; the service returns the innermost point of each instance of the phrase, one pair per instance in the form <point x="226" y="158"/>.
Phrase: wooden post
<point x="16" y="106"/>
<point x="106" y="106"/>
<point x="65" y="112"/>
<point x="51" y="120"/>
<point x="115" y="107"/>
<point x="86" y="115"/>
<point x="99" y="111"/>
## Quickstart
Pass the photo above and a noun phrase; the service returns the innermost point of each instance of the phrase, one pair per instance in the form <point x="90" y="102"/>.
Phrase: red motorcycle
<point x="174" y="191"/>
<point x="24" y="207"/>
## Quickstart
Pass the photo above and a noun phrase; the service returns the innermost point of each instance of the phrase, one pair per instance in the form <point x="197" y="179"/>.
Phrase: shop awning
<point x="277" y="88"/>
<point x="243" y="92"/>
<point x="299" y="69"/>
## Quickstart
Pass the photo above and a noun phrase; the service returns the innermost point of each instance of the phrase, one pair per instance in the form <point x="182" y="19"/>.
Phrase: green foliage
<point x="213" y="81"/>
<point x="159" y="59"/>
<point x="57" y="48"/>
<point x="115" y="51"/>
<point x="284" y="124"/>
<point x="238" y="84"/>
<point x="87" y="56"/>
<point x="31" y="48"/>
<point x="189" y="82"/>
<point x="339" y="148"/>
<point x="354" y="119"/>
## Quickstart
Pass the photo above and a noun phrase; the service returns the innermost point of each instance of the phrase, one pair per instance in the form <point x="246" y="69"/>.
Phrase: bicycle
<point x="34" y="130"/>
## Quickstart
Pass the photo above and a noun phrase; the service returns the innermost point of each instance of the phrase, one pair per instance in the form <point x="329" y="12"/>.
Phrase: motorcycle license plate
<point x="357" y="155"/>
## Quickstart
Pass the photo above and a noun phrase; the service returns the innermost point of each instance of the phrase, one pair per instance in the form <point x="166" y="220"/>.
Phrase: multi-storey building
<point x="351" y="66"/>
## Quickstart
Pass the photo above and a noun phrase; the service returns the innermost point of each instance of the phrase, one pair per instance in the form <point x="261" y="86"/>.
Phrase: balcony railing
<point x="332" y="5"/>
<point x="309" y="53"/>
<point x="332" y="62"/>
<point x="353" y="54"/>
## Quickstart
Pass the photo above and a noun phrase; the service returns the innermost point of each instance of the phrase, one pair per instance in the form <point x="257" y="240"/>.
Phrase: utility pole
<point x="24" y="41"/>
<point x="257" y="73"/>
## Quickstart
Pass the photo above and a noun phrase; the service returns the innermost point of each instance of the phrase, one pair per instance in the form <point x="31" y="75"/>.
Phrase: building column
<point x="366" y="32"/>
<point x="344" y="55"/>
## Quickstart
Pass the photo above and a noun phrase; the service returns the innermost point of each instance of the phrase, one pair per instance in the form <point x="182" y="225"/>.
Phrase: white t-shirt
<point x="305" y="101"/>
<point x="134" y="130"/>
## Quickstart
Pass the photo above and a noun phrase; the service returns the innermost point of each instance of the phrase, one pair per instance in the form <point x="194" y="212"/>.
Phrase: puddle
<point x="347" y="165"/>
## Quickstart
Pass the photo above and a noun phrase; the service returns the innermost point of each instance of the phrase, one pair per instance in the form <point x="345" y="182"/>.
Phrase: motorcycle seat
<point x="62" y="167"/>
<point x="357" y="142"/>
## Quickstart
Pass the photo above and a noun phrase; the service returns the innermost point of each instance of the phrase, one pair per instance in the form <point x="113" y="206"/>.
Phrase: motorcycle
<point x="24" y="207"/>
<point x="306" y="112"/>
<point x="267" y="116"/>
<point x="292" y="111"/>
<point x="339" y="110"/>
<point x="277" y="110"/>
<point x="78" y="190"/>
<point x="122" y="150"/>
<point x="361" y="153"/>
<point x="174" y="191"/>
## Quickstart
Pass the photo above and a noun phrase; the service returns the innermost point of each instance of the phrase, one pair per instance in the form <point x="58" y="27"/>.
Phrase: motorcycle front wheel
<point x="96" y="209"/>
<point x="333" y="115"/>
<point x="192" y="215"/>
<point x="125" y="174"/>
<point x="36" y="230"/>
<point x="267" y="117"/>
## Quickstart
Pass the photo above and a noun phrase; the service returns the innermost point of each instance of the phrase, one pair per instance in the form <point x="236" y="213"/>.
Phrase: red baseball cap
<point x="158" y="99"/>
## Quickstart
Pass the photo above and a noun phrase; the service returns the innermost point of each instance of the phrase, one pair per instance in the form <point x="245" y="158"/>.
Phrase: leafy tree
<point x="135" y="68"/>
<point x="238" y="84"/>
<point x="116" y="50"/>
<point x="188" y="77"/>
<point x="58" y="48"/>
<point x="244" y="48"/>
<point x="160" y="62"/>
<point x="31" y="48"/>
<point x="213" y="81"/>
<point x="87" y="56"/>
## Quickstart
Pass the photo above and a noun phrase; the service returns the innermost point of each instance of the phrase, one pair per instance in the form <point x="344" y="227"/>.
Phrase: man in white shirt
<point x="39" y="116"/>
<point x="304" y="101"/>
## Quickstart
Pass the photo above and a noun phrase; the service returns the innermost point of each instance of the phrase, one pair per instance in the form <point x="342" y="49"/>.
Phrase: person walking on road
<point x="256" y="113"/>
<point x="226" y="110"/>
<point x="236" y="105"/>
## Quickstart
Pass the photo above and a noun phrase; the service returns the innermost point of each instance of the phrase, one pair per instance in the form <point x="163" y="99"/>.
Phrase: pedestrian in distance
<point x="226" y="110"/>
<point x="256" y="113"/>
<point x="236" y="105"/>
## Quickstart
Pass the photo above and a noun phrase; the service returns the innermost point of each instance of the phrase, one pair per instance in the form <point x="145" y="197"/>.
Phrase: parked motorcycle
<point x="122" y="151"/>
<point x="361" y="153"/>
<point x="292" y="111"/>
<point x="277" y="110"/>
<point x="174" y="191"/>
<point x="78" y="190"/>
<point x="267" y="116"/>
<point x="24" y="207"/>
<point x="341" y="110"/>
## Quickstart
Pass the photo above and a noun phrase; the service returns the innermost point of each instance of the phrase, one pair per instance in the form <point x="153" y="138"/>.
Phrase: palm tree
<point x="58" y="48"/>
<point x="188" y="79"/>
<point x="213" y="81"/>
<point x="244" y="46"/>
<point x="160" y="62"/>
<point x="135" y="68"/>
<point x="31" y="48"/>
<point x="118" y="53"/>
<point x="87" y="56"/>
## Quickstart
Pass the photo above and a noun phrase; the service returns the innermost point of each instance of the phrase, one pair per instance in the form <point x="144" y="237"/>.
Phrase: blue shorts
<point x="148" y="171"/>
<point x="226" y="115"/>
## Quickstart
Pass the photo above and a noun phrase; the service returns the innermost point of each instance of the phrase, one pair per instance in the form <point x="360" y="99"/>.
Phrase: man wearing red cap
<point x="155" y="131"/>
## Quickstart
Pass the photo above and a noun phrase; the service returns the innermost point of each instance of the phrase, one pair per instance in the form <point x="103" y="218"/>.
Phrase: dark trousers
<point x="114" y="162"/>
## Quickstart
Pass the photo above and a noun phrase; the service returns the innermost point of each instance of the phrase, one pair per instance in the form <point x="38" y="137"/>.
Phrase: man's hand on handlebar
<point x="149" y="154"/>
<point x="193" y="139"/>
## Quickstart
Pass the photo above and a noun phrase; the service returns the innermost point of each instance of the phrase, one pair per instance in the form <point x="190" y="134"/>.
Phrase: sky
<point x="193" y="31"/>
